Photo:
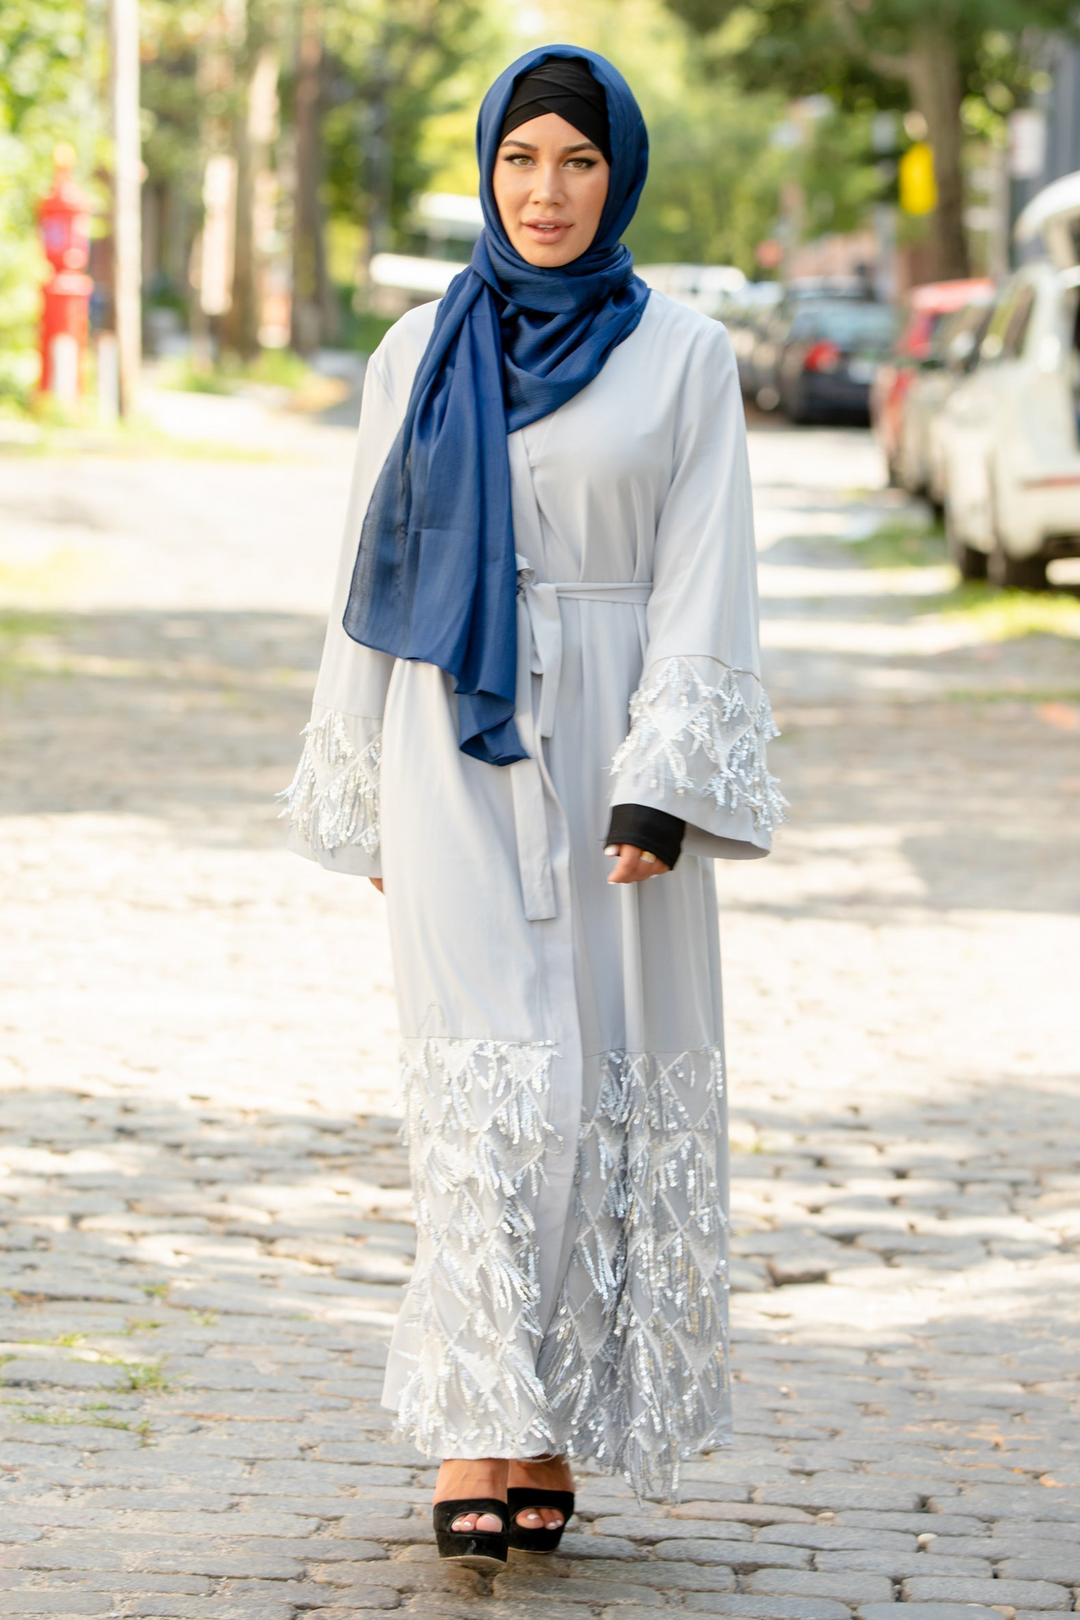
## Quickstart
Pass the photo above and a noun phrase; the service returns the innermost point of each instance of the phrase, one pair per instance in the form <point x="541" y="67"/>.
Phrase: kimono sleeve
<point x="700" y="721"/>
<point x="332" y="804"/>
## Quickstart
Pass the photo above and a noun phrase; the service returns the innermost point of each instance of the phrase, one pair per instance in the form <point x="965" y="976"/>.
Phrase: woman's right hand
<point x="633" y="865"/>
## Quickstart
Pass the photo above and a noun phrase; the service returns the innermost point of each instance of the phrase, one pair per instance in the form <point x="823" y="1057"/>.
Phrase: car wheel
<point x="970" y="562"/>
<point x="795" y="408"/>
<point x="1015" y="573"/>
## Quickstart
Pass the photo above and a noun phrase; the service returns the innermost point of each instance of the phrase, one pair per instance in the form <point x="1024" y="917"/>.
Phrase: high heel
<point x="545" y="1539"/>
<point x="484" y="1550"/>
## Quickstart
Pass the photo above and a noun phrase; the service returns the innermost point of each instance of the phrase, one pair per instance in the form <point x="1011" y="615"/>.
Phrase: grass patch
<point x="89" y="1417"/>
<point x="898" y="545"/>
<point x="1009" y="615"/>
<point x="1002" y="694"/>
<point x="274" y="368"/>
<point x="70" y="1341"/>
<point x="147" y="1376"/>
<point x="137" y="438"/>
<point x="159" y="1290"/>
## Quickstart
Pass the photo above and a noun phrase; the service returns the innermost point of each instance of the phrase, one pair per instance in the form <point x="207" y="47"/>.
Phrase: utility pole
<point x="126" y="193"/>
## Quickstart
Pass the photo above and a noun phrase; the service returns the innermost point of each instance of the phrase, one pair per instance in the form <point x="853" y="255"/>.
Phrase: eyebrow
<point x="582" y="146"/>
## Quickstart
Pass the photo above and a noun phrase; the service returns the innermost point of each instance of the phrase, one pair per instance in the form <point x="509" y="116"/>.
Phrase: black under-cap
<point x="563" y="85"/>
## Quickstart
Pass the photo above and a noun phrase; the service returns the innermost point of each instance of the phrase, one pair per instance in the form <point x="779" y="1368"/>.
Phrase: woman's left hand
<point x="633" y="865"/>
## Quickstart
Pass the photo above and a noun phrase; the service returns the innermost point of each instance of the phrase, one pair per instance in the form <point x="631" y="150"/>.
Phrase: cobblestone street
<point x="204" y="1216"/>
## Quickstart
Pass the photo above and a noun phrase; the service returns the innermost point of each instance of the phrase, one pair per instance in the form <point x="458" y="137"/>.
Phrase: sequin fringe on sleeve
<point x="333" y="800"/>
<point x="698" y="727"/>
<point x="477" y="1132"/>
<point x="635" y="1363"/>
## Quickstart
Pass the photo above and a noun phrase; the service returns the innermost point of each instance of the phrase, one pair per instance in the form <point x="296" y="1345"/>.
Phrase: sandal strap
<point x="519" y="1497"/>
<point x="444" y="1513"/>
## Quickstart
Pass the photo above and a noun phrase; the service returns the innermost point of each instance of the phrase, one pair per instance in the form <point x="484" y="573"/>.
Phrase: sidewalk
<point x="204" y="1223"/>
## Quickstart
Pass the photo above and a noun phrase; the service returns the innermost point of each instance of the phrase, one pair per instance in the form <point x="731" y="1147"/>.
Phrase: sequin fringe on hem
<point x="477" y="1134"/>
<point x="702" y="736"/>
<point x="333" y="799"/>
<point x="635" y="1363"/>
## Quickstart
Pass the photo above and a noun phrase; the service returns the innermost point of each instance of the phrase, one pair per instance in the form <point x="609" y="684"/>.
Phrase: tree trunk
<point x="310" y="302"/>
<point x="126" y="198"/>
<point x="936" y="91"/>
<point x="254" y="130"/>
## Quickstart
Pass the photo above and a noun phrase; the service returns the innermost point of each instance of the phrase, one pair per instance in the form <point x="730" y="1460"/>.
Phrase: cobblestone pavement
<point x="205" y="1224"/>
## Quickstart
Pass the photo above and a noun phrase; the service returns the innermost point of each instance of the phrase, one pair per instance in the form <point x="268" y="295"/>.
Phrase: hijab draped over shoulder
<point x="435" y="577"/>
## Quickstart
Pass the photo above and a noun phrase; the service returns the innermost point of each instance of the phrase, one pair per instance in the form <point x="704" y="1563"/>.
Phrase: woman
<point x="546" y="624"/>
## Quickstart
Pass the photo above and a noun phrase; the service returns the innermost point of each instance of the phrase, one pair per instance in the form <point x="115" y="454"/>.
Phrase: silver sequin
<point x="704" y="737"/>
<point x="632" y="1372"/>
<point x="477" y="1133"/>
<point x="333" y="799"/>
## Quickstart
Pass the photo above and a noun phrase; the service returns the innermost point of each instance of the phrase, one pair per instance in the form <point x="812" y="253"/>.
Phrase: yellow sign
<point x="918" y="189"/>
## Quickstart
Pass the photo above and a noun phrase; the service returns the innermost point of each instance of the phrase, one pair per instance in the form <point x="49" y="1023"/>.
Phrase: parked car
<point x="747" y="318"/>
<point x="713" y="289"/>
<point x="1009" y="434"/>
<point x="817" y="356"/>
<point x="924" y="309"/>
<point x="954" y="351"/>
<point x="766" y="311"/>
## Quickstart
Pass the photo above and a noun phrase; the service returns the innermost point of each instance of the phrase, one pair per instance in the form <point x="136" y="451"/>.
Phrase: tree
<point x="398" y="68"/>
<point x="714" y="171"/>
<point x="928" y="54"/>
<point x="50" y="58"/>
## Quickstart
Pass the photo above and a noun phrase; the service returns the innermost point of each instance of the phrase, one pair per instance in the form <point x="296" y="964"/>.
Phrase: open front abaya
<point x="564" y="1085"/>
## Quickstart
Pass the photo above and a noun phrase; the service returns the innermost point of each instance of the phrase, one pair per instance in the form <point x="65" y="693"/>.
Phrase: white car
<point x="1008" y="442"/>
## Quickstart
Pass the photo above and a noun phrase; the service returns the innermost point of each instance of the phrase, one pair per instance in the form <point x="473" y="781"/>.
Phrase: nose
<point x="548" y="189"/>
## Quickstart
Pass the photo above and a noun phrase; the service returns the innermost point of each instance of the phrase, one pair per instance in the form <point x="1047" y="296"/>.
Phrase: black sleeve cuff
<point x="645" y="828"/>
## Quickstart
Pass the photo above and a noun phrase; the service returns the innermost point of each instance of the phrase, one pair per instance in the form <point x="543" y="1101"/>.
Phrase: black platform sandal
<point x="484" y="1550"/>
<point x="545" y="1539"/>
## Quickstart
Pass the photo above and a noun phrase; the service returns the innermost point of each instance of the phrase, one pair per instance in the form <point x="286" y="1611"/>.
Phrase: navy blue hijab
<point x="435" y="576"/>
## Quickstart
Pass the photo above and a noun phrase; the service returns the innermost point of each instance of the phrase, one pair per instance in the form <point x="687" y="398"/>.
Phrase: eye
<point x="518" y="159"/>
<point x="581" y="163"/>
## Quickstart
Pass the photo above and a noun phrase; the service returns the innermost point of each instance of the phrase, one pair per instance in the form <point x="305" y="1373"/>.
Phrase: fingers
<point x="376" y="883"/>
<point x="633" y="865"/>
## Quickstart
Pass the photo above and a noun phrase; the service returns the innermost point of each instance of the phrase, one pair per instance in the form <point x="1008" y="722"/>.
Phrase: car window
<point x="1015" y="332"/>
<point x="966" y="356"/>
<point x="1016" y="301"/>
<point x="957" y="338"/>
<point x="847" y="322"/>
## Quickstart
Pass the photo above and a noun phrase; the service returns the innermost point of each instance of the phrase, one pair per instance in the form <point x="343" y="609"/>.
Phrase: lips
<point x="547" y="230"/>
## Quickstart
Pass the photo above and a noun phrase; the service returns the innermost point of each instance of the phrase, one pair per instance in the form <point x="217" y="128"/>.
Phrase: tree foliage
<point x="398" y="66"/>
<point x="47" y="58"/>
<point x="932" y="55"/>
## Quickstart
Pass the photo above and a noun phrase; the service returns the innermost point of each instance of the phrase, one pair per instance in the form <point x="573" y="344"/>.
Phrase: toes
<point x="540" y="1519"/>
<point x="486" y="1523"/>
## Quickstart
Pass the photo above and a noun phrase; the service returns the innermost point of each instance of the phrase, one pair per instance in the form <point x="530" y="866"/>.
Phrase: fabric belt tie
<point x="540" y="652"/>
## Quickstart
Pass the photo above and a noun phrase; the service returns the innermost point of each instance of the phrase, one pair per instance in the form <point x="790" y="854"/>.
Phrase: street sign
<point x="918" y="188"/>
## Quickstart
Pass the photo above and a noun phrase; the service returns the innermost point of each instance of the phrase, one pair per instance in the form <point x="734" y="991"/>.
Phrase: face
<point x="550" y="185"/>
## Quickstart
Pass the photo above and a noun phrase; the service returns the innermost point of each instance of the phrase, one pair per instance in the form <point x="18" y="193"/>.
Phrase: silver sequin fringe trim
<point x="633" y="1371"/>
<point x="476" y="1127"/>
<point x="333" y="799"/>
<point x="702" y="737"/>
<point x="635" y="1364"/>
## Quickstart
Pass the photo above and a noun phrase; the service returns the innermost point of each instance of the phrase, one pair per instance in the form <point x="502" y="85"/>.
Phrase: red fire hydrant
<point x="64" y="217"/>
